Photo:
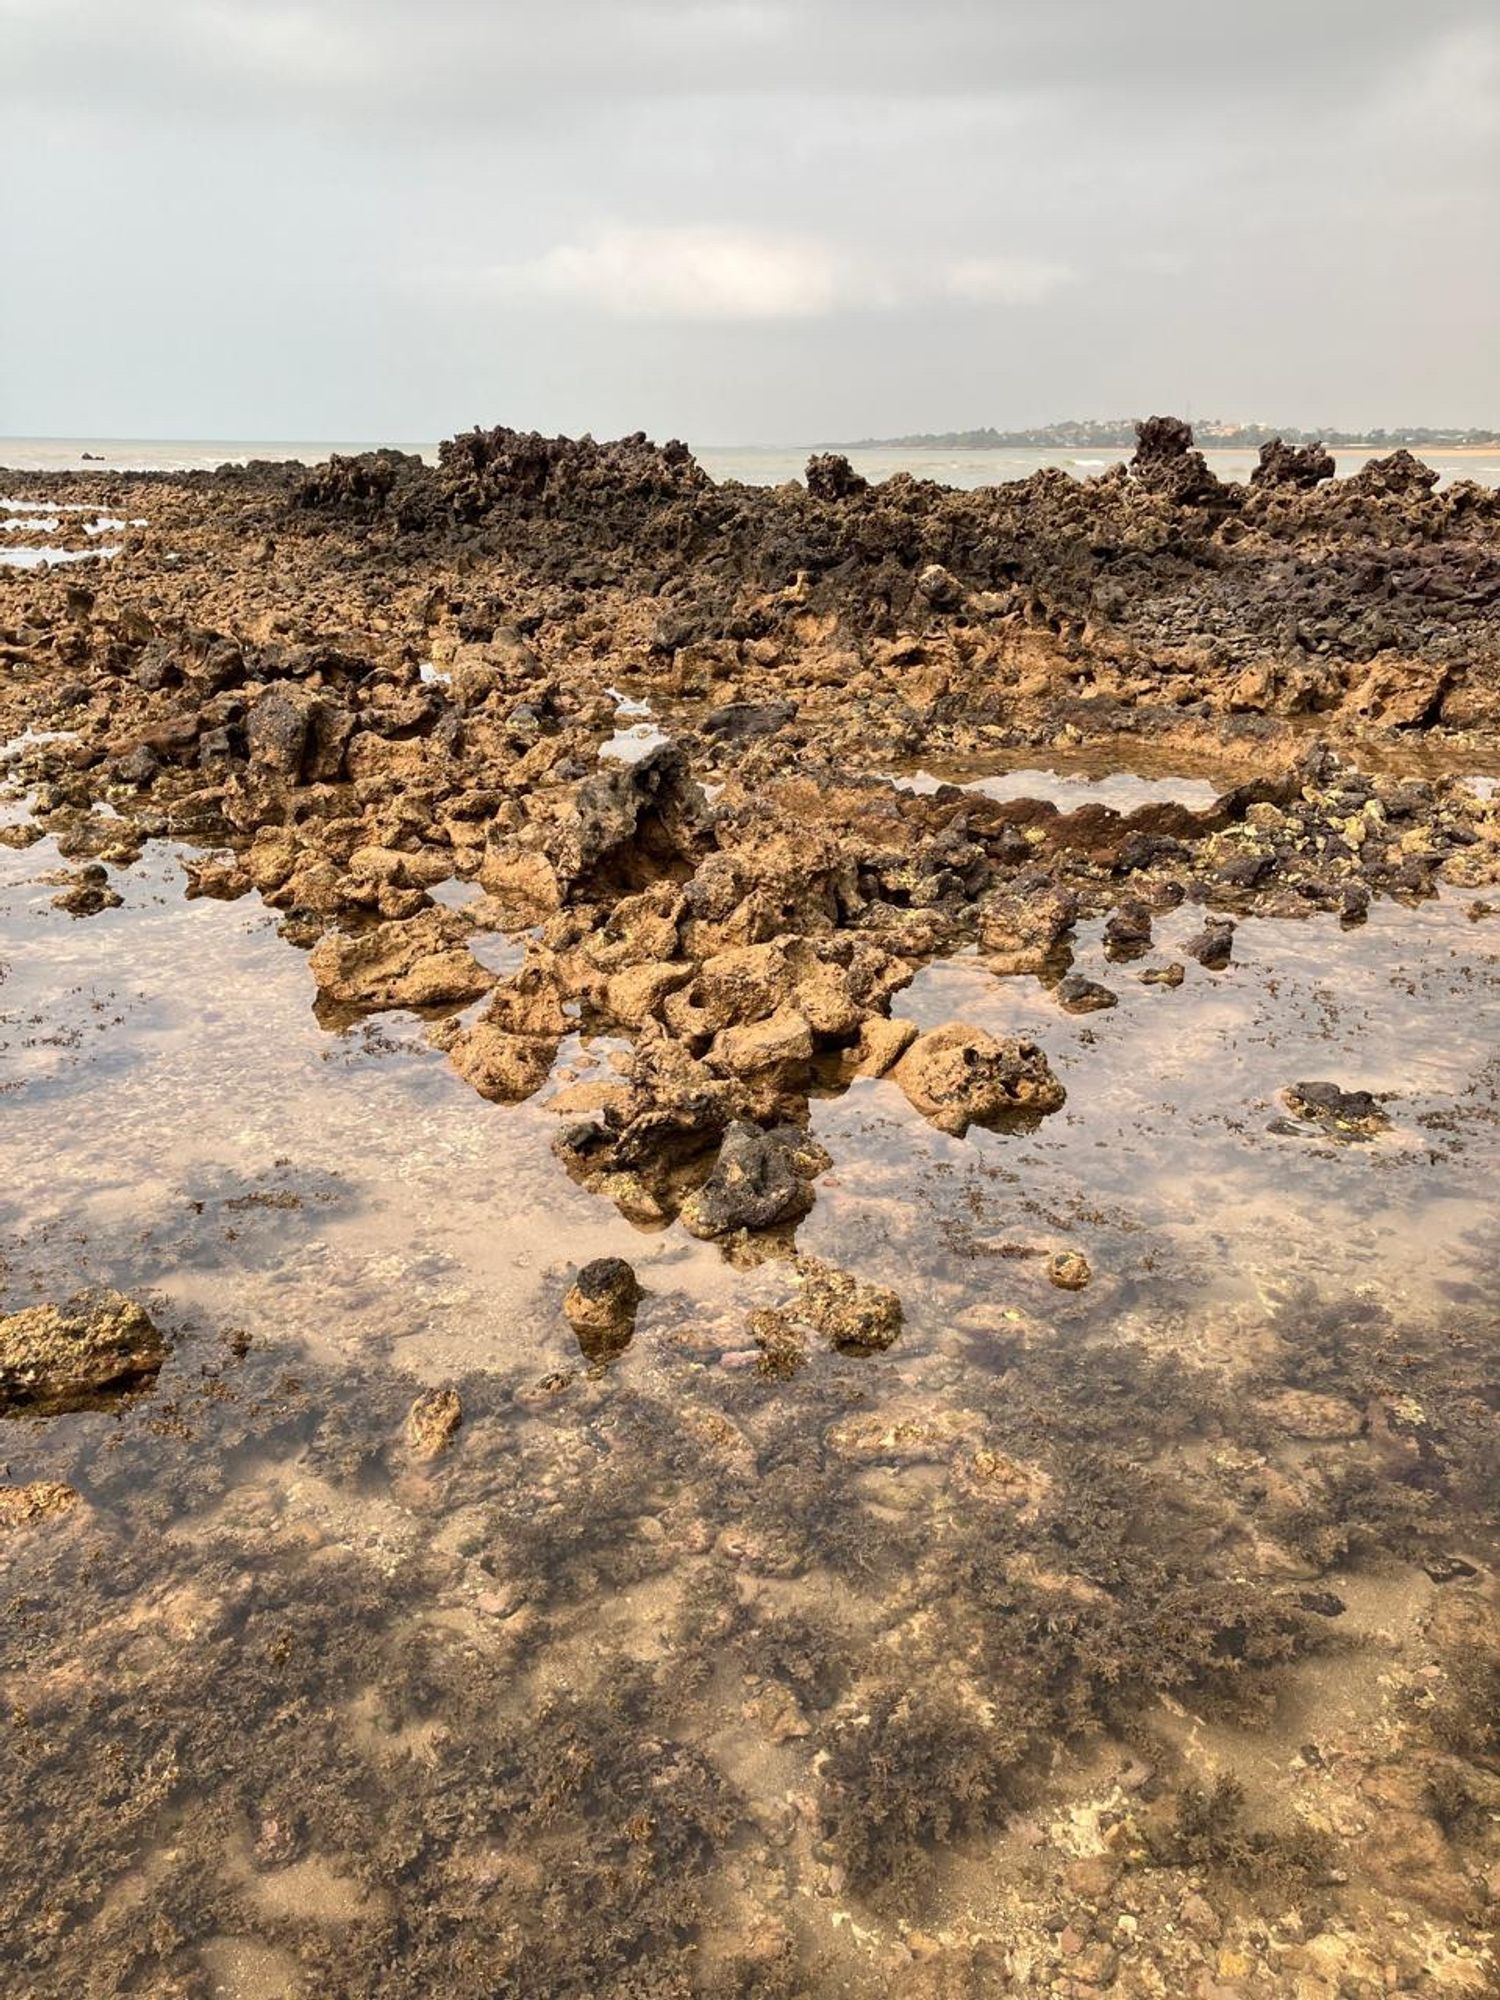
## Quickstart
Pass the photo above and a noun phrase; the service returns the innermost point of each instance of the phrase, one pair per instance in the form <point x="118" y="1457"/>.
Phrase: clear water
<point x="574" y="1699"/>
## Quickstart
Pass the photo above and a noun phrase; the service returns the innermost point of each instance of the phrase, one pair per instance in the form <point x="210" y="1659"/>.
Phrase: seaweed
<point x="908" y="1771"/>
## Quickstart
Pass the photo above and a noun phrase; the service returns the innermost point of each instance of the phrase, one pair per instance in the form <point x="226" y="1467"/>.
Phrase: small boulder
<point x="1069" y="1270"/>
<point x="830" y="476"/>
<point x="88" y="892"/>
<point x="762" y="1178"/>
<point x="1348" y="1113"/>
<point x="1077" y="995"/>
<point x="600" y="1306"/>
<point x="958" y="1076"/>
<point x="1128" y="932"/>
<point x="73" y="1357"/>
<point x="1213" y="947"/>
<point x="940" y="587"/>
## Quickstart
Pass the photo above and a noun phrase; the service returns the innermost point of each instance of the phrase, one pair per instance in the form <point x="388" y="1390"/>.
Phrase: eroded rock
<point x="958" y="1076"/>
<point x="74" y="1357"/>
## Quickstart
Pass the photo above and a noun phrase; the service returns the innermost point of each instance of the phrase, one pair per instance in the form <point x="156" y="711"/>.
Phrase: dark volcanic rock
<point x="762" y="1178"/>
<point x="830" y="476"/>
<point x="1302" y="466"/>
<point x="1165" y="462"/>
<point x="743" y="721"/>
<point x="630" y="824"/>
<point x="1213" y="947"/>
<point x="1128" y="932"/>
<point x="1399" y="475"/>
<point x="1078" y="995"/>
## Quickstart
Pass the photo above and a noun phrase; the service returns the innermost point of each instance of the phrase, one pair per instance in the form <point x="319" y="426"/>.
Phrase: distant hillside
<point x="1117" y="433"/>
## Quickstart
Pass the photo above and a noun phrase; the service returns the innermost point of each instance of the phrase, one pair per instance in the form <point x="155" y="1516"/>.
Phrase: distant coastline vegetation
<point x="1115" y="433"/>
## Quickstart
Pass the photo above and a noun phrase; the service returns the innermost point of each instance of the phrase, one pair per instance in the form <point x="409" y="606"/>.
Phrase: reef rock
<point x="1350" y="1112"/>
<point x="1165" y="462"/>
<point x="830" y="476"/>
<point x="958" y="1076"/>
<point x="600" y="1306"/>
<point x="761" y="1178"/>
<point x="1301" y="466"/>
<point x="55" y="1358"/>
<point x="629" y="825"/>
<point x="431" y="1422"/>
<point x="421" y="961"/>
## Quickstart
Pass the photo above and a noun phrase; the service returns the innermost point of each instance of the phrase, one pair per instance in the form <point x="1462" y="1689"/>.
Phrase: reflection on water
<point x="674" y="1675"/>
<point x="1123" y="791"/>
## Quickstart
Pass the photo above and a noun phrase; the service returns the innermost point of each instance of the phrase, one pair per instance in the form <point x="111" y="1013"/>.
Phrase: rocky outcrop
<point x="421" y="962"/>
<point x="1166" y="462"/>
<point x="1301" y="466"/>
<point x="830" y="476"/>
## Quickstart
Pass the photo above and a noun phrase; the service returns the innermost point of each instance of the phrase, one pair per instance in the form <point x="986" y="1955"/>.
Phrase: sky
<point x="743" y="221"/>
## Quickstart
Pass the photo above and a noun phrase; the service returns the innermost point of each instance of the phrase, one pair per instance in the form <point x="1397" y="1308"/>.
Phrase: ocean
<point x="757" y="465"/>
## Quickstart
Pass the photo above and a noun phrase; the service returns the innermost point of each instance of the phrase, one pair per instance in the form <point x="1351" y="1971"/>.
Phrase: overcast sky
<point x="743" y="220"/>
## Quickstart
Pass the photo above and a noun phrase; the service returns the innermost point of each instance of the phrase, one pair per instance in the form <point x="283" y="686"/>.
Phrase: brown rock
<point x="601" y="1305"/>
<point x="71" y="1357"/>
<point x="421" y="962"/>
<point x="21" y="1505"/>
<point x="431" y="1422"/>
<point x="1069" y="1270"/>
<point x="958" y="1075"/>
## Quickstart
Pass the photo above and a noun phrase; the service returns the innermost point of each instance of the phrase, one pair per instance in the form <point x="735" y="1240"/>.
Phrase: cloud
<point x="688" y="273"/>
<point x="1009" y="281"/>
<point x="706" y="272"/>
<point x="438" y="63"/>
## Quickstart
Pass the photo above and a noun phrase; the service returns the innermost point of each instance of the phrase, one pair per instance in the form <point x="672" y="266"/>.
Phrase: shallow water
<point x="1122" y="791"/>
<point x="591" y="1692"/>
<point x="34" y="558"/>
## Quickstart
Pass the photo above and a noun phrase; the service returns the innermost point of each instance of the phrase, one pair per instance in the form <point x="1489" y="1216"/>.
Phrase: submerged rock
<point x="852" y="1316"/>
<point x="1069" y="1270"/>
<point x="57" y="1358"/>
<point x="431" y="1422"/>
<point x="958" y="1076"/>
<point x="847" y="1314"/>
<point x="20" y="1506"/>
<point x="88" y="892"/>
<point x="600" y="1306"/>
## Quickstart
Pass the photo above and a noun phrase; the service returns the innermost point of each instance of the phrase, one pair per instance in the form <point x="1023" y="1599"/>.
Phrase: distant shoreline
<point x="1209" y="450"/>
